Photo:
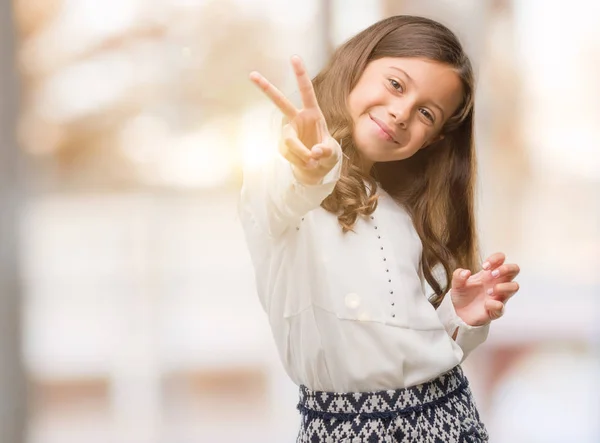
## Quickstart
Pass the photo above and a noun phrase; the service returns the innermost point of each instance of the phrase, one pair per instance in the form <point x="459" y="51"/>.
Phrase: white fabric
<point x="348" y="311"/>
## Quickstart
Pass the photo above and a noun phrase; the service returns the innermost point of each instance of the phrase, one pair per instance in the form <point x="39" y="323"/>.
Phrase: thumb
<point x="495" y="308"/>
<point x="328" y="151"/>
<point x="321" y="150"/>
<point x="460" y="277"/>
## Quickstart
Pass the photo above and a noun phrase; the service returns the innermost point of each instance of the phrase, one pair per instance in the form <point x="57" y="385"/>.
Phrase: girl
<point x="369" y="201"/>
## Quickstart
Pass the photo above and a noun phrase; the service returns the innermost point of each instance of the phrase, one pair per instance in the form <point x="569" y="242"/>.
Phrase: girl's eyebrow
<point x="413" y="82"/>
<point x="403" y="72"/>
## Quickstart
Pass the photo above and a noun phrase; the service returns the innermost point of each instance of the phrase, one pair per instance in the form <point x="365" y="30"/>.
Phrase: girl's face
<point x="399" y="106"/>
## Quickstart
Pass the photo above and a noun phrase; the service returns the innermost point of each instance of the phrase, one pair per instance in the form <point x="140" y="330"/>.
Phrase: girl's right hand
<point x="306" y="142"/>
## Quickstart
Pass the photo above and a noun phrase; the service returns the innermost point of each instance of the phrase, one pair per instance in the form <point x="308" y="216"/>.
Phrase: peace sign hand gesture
<point x="306" y="142"/>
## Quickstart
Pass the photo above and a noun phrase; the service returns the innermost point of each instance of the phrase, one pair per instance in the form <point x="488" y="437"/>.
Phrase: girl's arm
<point x="306" y="168"/>
<point x="466" y="336"/>
<point x="274" y="198"/>
<point x="478" y="299"/>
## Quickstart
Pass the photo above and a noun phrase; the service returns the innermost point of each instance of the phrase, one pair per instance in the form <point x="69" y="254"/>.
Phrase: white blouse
<point x="348" y="311"/>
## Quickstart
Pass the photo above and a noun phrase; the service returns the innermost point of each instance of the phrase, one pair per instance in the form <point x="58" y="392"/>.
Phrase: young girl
<point x="369" y="200"/>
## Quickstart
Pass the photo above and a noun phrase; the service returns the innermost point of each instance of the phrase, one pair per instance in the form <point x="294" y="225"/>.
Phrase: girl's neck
<point x="365" y="166"/>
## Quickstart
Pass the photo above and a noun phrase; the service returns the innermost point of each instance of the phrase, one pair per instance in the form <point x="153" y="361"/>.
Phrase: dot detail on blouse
<point x="381" y="248"/>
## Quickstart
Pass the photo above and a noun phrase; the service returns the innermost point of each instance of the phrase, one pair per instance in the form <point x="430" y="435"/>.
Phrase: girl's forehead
<point x="418" y="65"/>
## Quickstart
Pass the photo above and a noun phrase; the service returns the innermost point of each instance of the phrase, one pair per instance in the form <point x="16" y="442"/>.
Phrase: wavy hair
<point x="435" y="185"/>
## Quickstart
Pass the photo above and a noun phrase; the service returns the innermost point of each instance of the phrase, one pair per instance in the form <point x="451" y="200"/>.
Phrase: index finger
<point x="276" y="96"/>
<point x="307" y="92"/>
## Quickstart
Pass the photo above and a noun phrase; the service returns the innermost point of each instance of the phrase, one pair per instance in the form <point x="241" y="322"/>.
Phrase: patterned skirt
<point x="439" y="411"/>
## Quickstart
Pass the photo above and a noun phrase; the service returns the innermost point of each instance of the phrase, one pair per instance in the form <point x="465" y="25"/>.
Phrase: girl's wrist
<point x="309" y="178"/>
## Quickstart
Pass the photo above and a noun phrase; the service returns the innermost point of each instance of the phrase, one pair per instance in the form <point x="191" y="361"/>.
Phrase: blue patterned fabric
<point x="439" y="411"/>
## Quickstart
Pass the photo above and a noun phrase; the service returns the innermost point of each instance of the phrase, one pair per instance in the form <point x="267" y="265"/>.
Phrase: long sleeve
<point x="274" y="199"/>
<point x="468" y="337"/>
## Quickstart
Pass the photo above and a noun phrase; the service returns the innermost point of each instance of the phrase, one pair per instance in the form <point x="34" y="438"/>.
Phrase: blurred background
<point x="128" y="310"/>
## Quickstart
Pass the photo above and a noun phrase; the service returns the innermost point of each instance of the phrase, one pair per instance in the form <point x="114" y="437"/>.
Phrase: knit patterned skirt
<point x="439" y="411"/>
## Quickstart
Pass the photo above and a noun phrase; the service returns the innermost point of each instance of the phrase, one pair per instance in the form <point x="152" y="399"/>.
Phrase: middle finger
<point x="307" y="92"/>
<point x="506" y="272"/>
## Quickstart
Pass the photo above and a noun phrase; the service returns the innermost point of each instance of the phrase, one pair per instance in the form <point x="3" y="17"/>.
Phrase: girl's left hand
<point x="480" y="298"/>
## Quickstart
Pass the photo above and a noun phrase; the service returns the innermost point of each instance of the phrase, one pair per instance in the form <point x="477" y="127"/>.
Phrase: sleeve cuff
<point x="332" y="176"/>
<point x="292" y="198"/>
<point x="468" y="337"/>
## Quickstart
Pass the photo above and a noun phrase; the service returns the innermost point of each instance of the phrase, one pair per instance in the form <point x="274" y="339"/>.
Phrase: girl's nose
<point x="401" y="112"/>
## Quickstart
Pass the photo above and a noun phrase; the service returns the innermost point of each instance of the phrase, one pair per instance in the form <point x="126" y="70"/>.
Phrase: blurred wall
<point x="13" y="393"/>
<point x="140" y="319"/>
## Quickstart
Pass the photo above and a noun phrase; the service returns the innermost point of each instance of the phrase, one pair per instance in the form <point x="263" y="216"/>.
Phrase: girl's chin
<point x="379" y="152"/>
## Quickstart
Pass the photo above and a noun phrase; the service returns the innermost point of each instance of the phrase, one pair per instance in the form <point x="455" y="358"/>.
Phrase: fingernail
<point x="495" y="273"/>
<point x="486" y="265"/>
<point x="463" y="274"/>
<point x="318" y="151"/>
<point x="490" y="291"/>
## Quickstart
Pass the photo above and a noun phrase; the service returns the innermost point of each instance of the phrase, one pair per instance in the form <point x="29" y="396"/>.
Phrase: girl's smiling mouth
<point x="384" y="130"/>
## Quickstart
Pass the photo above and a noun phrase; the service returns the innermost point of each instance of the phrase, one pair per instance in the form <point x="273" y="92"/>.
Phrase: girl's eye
<point x="395" y="84"/>
<point x="427" y="115"/>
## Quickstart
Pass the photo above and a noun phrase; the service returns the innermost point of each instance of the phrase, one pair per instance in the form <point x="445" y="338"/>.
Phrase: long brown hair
<point x="436" y="185"/>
